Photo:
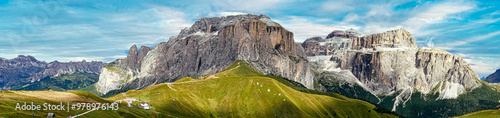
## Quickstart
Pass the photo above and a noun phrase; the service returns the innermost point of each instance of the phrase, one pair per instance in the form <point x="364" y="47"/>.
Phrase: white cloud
<point x="335" y="7"/>
<point x="101" y="34"/>
<point x="230" y="13"/>
<point x="383" y="10"/>
<point x="437" y="13"/>
<point x="251" y="6"/>
<point x="482" y="66"/>
<point x="349" y="18"/>
<point x="90" y="58"/>
<point x="171" y="21"/>
<point x="469" y="40"/>
<point x="303" y="28"/>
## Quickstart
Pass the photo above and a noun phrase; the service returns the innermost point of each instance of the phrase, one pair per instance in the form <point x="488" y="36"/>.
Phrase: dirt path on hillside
<point x="83" y="113"/>
<point x="170" y="86"/>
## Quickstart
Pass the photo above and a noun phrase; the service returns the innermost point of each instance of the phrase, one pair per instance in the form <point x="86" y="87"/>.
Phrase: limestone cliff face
<point x="391" y="62"/>
<point x="390" y="39"/>
<point x="421" y="69"/>
<point x="212" y="44"/>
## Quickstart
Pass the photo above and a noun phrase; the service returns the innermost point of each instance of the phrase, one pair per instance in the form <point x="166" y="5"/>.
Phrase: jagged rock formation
<point x="207" y="47"/>
<point x="391" y="62"/>
<point x="27" y="69"/>
<point x="493" y="78"/>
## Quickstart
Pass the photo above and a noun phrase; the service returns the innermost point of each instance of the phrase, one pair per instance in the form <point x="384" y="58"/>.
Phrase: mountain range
<point x="385" y="69"/>
<point x="26" y="70"/>
<point x="389" y="69"/>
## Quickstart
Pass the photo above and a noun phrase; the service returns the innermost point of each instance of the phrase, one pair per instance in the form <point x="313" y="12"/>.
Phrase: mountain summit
<point x="207" y="47"/>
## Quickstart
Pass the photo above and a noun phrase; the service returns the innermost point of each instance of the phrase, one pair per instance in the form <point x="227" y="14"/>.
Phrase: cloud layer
<point x="104" y="30"/>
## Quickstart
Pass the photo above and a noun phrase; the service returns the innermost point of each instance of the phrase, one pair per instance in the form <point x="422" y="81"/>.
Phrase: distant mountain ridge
<point x="494" y="77"/>
<point x="27" y="69"/>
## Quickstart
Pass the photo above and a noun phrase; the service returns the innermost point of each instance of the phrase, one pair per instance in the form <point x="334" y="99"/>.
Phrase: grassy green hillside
<point x="239" y="91"/>
<point x="185" y="79"/>
<point x="9" y="99"/>
<point x="495" y="113"/>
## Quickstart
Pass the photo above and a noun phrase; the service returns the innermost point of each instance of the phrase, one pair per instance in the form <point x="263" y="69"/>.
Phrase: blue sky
<point x="75" y="30"/>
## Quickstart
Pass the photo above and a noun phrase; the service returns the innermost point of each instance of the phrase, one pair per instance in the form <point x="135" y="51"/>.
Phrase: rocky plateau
<point x="390" y="63"/>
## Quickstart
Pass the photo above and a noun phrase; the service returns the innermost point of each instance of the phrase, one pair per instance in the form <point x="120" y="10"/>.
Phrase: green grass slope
<point x="495" y="113"/>
<point x="185" y="79"/>
<point x="239" y="91"/>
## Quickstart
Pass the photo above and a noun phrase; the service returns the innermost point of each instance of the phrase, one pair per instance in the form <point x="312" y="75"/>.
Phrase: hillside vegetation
<point x="481" y="98"/>
<point x="239" y="91"/>
<point x="495" y="113"/>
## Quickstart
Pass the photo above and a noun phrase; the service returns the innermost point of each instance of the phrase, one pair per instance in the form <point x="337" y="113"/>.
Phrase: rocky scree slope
<point x="389" y="63"/>
<point x="27" y="69"/>
<point x="207" y="47"/>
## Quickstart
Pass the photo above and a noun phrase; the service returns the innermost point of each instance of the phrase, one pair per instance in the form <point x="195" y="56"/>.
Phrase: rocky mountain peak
<point x="134" y="57"/>
<point x="214" y="24"/>
<point x="25" y="58"/>
<point x="349" y="33"/>
<point x="209" y="46"/>
<point x="22" y="61"/>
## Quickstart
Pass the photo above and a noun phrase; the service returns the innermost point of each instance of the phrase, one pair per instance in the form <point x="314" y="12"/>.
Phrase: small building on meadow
<point x="51" y="115"/>
<point x="145" y="105"/>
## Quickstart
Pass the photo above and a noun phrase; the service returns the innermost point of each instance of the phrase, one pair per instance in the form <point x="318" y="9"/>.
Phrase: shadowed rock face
<point x="390" y="62"/>
<point x="209" y="46"/>
<point x="134" y="57"/>
<point x="27" y="69"/>
<point x="494" y="78"/>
